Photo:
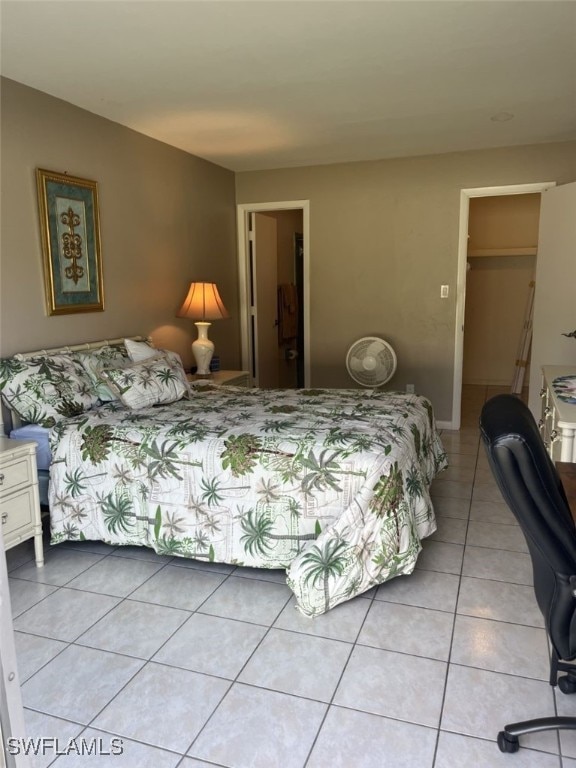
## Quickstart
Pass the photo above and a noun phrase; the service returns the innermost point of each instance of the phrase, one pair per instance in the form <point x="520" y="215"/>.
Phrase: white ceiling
<point x="253" y="85"/>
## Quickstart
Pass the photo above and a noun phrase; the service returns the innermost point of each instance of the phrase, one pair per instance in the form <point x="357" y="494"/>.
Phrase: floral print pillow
<point x="143" y="350"/>
<point x="45" y="389"/>
<point x="151" y="382"/>
<point x="103" y="357"/>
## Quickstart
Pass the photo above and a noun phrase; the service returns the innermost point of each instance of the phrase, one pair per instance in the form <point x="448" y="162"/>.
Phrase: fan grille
<point x="371" y="361"/>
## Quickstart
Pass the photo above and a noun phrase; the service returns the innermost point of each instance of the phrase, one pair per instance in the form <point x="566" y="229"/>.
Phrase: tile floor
<point x="194" y="665"/>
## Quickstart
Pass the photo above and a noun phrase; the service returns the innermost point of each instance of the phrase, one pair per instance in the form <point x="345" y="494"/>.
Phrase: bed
<point x="331" y="485"/>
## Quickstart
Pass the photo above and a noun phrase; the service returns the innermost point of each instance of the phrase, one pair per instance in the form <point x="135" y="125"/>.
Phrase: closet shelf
<point x="479" y="252"/>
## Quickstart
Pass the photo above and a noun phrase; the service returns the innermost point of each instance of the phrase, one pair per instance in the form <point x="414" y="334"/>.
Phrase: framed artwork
<point x="70" y="231"/>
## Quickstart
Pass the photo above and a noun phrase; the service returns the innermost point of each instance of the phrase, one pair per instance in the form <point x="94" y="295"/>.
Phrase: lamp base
<point x="202" y="349"/>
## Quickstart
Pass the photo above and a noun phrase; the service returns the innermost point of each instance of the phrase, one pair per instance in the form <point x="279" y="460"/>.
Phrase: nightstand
<point x="233" y="378"/>
<point x="19" y="499"/>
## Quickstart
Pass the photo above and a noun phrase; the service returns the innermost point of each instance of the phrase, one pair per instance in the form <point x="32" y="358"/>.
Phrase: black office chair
<point x="532" y="489"/>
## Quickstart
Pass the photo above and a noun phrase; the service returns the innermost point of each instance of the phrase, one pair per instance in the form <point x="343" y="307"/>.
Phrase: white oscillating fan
<point x="371" y="361"/>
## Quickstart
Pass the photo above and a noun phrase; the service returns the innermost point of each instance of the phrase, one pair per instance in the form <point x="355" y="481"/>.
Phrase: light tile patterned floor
<point x="193" y="665"/>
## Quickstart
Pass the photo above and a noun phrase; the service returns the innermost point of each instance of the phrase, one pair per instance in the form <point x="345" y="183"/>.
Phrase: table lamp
<point x="202" y="304"/>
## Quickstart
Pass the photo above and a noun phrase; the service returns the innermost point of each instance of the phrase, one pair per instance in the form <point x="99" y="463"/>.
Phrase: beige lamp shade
<point x="203" y="302"/>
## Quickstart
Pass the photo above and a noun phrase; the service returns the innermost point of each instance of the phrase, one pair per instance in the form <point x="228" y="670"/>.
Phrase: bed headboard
<point x="12" y="420"/>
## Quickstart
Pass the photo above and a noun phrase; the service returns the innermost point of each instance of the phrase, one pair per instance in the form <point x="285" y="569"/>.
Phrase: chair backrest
<point x="532" y="489"/>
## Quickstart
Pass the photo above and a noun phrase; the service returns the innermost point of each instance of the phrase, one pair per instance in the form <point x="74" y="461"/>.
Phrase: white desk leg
<point x="568" y="452"/>
<point x="39" y="549"/>
<point x="38" y="540"/>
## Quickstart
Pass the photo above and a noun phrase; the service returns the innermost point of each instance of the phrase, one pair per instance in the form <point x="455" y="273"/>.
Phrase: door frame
<point x="465" y="196"/>
<point x="12" y="725"/>
<point x="247" y="311"/>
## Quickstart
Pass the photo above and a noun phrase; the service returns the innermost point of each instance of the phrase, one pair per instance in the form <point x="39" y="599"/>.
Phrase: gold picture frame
<point x="70" y="232"/>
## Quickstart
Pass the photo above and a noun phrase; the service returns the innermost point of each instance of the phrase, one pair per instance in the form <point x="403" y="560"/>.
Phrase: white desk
<point x="558" y="422"/>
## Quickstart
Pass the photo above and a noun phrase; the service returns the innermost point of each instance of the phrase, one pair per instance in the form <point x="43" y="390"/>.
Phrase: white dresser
<point x="558" y="422"/>
<point x="19" y="499"/>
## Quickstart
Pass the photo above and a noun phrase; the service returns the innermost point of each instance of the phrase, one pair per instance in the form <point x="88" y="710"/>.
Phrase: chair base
<point x="567" y="683"/>
<point x="508" y="738"/>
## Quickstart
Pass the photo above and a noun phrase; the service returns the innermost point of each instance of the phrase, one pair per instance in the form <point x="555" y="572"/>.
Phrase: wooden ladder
<point x="525" y="342"/>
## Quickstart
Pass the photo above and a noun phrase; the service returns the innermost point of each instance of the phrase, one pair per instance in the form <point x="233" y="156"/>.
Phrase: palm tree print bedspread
<point x="332" y="485"/>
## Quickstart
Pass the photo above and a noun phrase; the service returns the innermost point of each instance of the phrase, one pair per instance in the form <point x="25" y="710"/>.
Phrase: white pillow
<point x="140" y="350"/>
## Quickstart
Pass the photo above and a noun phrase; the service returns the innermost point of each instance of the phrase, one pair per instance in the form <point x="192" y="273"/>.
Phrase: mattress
<point x="40" y="436"/>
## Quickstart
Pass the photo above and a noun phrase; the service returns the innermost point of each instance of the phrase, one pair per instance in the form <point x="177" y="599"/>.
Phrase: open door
<point x="555" y="296"/>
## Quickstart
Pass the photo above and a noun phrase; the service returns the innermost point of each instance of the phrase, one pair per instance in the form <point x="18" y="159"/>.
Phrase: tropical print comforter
<point x="331" y="485"/>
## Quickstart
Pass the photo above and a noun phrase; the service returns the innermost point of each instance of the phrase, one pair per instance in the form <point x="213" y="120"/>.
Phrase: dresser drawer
<point x="15" y="474"/>
<point x="19" y="500"/>
<point x="16" y="511"/>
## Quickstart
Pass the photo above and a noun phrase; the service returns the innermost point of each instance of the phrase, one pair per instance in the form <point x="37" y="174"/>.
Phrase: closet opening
<point x="500" y="280"/>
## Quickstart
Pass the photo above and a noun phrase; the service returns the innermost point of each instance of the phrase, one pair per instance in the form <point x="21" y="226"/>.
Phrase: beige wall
<point x="383" y="238"/>
<point x="166" y="218"/>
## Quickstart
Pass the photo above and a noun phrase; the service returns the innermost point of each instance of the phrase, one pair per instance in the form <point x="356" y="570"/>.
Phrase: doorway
<point x="466" y="196"/>
<point x="501" y="268"/>
<point x="273" y="253"/>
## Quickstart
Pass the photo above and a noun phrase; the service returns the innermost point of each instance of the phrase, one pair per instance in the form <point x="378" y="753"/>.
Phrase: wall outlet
<point x="410" y="389"/>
